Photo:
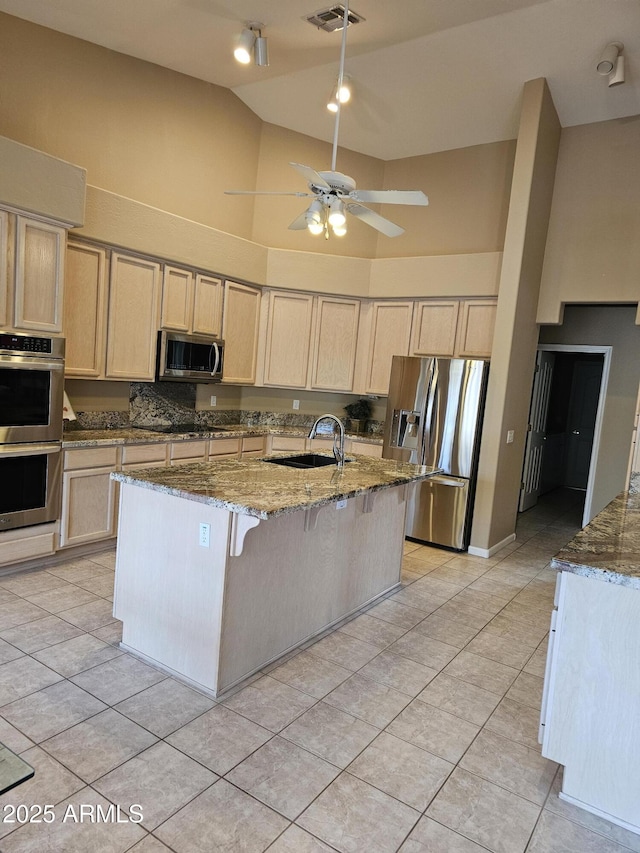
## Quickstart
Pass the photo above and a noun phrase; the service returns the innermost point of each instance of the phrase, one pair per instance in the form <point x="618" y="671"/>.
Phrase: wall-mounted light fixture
<point x="340" y="94"/>
<point x="251" y="41"/>
<point x="611" y="63"/>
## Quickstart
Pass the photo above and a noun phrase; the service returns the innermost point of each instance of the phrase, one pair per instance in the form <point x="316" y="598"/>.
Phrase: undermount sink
<point x="303" y="460"/>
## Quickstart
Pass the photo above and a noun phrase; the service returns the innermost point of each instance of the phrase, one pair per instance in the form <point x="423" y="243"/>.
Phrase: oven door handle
<point x="35" y="449"/>
<point x="25" y="362"/>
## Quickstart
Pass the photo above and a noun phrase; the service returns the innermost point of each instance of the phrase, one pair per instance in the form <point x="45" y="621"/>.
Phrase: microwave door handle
<point x="217" y="361"/>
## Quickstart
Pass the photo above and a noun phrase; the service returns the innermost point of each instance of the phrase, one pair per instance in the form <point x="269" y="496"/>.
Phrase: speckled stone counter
<point x="608" y="548"/>
<point x="132" y="435"/>
<point x="265" y="490"/>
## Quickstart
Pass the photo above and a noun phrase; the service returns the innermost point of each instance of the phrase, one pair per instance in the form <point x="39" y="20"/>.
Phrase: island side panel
<point x="289" y="583"/>
<point x="168" y="588"/>
<point x="592" y="725"/>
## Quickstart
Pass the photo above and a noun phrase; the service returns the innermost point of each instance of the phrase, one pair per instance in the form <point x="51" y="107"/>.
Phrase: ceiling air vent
<point x="331" y="19"/>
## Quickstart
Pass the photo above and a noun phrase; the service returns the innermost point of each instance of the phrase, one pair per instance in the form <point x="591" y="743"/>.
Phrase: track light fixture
<point x="611" y="63"/>
<point x="341" y="94"/>
<point x="251" y="41"/>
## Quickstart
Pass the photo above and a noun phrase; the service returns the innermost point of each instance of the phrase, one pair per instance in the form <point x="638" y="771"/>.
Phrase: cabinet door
<point x="240" y="332"/>
<point x="434" y="327"/>
<point x="475" y="328"/>
<point x="6" y="276"/>
<point x="207" y="308"/>
<point x="336" y="336"/>
<point x="288" y="339"/>
<point x="39" y="275"/>
<point x="390" y="334"/>
<point x="177" y="299"/>
<point x="85" y="295"/>
<point x="88" y="506"/>
<point x="134" y="315"/>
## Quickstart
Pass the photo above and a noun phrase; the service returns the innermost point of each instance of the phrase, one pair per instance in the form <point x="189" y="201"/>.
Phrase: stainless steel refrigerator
<point x="434" y="417"/>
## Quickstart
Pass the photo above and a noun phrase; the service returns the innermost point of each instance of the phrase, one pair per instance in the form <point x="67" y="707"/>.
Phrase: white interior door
<point x="534" y="448"/>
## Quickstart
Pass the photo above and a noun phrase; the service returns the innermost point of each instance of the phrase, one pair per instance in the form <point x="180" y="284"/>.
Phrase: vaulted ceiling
<point x="429" y="75"/>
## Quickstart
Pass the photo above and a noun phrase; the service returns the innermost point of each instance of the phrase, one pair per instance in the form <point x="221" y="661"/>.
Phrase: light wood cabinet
<point x="84" y="316"/>
<point x="476" y="322"/>
<point x="188" y="451"/>
<point x="288" y="339"/>
<point x="280" y="443"/>
<point x="335" y="342"/>
<point x="207" y="306"/>
<point x="27" y="543"/>
<point x="390" y="335"/>
<point x="133" y="318"/>
<point x="88" y="495"/>
<point x="434" y="327"/>
<point x="241" y="315"/>
<point x="365" y="448"/>
<point x="177" y="299"/>
<point x="6" y="276"/>
<point x="39" y="275"/>
<point x="224" y="448"/>
<point x="253" y="445"/>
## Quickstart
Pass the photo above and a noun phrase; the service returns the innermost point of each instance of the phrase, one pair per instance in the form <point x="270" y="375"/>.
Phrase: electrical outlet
<point x="203" y="539"/>
<point x="510" y="436"/>
<point x="341" y="504"/>
<point x="214" y="400"/>
<point x="296" y="404"/>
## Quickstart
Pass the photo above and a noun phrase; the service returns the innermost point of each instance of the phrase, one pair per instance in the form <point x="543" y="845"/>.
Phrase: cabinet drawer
<point x="191" y="450"/>
<point x="281" y="442"/>
<point x="135" y="453"/>
<point x="365" y="449"/>
<point x="255" y="443"/>
<point x="321" y="444"/>
<point x="27" y="543"/>
<point x="224" y="447"/>
<point x="90" y="457"/>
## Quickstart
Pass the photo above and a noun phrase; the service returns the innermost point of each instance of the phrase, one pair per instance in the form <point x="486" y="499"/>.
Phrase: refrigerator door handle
<point x="446" y="481"/>
<point x="430" y="412"/>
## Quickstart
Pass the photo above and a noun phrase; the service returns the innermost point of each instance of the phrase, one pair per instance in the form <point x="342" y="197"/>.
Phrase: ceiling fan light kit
<point x="341" y="94"/>
<point x="334" y="194"/>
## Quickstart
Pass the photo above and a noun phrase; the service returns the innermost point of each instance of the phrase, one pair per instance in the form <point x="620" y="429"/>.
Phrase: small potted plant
<point x="358" y="413"/>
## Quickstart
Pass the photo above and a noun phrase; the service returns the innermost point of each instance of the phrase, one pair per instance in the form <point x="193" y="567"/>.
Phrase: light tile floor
<point x="411" y="727"/>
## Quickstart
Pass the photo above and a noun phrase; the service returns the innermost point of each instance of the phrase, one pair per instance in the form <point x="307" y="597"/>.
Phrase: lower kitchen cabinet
<point x="27" y="543"/>
<point x="224" y="448"/>
<point x="181" y="452"/>
<point x="252" y="445"/>
<point x="88" y="495"/>
<point x="280" y="443"/>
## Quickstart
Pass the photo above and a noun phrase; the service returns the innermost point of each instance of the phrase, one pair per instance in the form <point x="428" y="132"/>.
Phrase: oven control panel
<point x="11" y="343"/>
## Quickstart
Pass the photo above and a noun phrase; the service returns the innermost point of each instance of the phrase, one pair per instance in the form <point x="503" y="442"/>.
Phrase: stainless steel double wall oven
<point x="31" y="398"/>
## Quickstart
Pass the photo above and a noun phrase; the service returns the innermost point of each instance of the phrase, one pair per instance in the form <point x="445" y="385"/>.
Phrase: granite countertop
<point x="133" y="435"/>
<point x="608" y="548"/>
<point x="266" y="490"/>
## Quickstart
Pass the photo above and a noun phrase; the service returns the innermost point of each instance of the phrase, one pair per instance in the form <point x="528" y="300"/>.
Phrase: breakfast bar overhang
<point x="223" y="567"/>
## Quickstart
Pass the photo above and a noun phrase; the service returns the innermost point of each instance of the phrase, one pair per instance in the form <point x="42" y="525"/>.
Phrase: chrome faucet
<point x="338" y="443"/>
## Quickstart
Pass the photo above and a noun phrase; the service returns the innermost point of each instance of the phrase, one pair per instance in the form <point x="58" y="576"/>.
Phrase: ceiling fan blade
<point x="385" y="226"/>
<point x="267" y="192"/>
<point x="310" y="175"/>
<point x="299" y="223"/>
<point x="390" y="196"/>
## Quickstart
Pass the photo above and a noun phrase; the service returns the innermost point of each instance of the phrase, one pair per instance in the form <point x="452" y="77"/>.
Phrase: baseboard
<point x="489" y="552"/>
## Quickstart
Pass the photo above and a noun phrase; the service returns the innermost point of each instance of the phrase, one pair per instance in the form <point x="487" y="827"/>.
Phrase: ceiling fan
<point x="335" y="194"/>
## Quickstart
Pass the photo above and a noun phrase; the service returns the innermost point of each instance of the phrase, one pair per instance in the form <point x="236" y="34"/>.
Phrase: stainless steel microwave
<point x="189" y="358"/>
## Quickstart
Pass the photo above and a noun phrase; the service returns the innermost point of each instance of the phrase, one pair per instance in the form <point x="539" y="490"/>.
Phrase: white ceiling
<point x="429" y="75"/>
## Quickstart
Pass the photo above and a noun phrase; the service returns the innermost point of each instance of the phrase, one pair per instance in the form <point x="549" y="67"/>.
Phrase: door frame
<point x="605" y="351"/>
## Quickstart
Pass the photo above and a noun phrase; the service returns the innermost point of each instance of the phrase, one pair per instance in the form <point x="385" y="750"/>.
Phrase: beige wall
<point x="468" y="187"/>
<point x="515" y="339"/>
<point x="87" y="395"/>
<point x="593" y="250"/>
<point x="140" y="130"/>
<point x="175" y="143"/>
<point x="607" y="325"/>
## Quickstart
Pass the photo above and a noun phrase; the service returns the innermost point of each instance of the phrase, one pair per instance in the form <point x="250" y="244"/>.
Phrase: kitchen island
<point x="222" y="567"/>
<point x="590" y="720"/>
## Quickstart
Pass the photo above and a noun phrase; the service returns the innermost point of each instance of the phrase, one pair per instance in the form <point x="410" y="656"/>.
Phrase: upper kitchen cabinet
<point x="133" y="318"/>
<point x="335" y="339"/>
<point x="84" y="316"/>
<point x="240" y="332"/>
<point x="477" y="319"/>
<point x="191" y="303"/>
<point x="434" y="327"/>
<point x="6" y="284"/>
<point x="390" y="332"/>
<point x="288" y="339"/>
<point x="39" y="275"/>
